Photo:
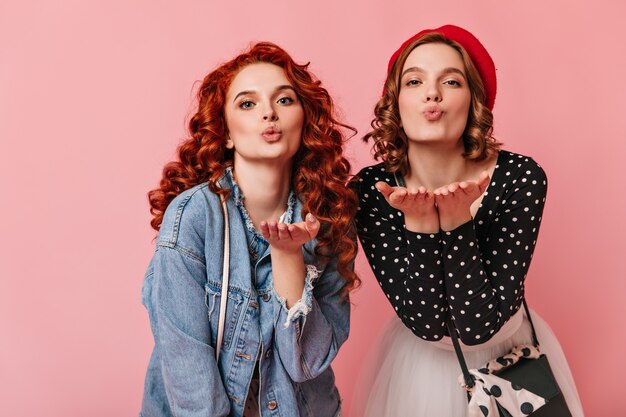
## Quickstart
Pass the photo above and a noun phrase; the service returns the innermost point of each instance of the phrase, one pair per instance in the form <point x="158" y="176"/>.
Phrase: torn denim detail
<point x="302" y="307"/>
<point x="206" y="301"/>
<point x="287" y="217"/>
<point x="238" y="199"/>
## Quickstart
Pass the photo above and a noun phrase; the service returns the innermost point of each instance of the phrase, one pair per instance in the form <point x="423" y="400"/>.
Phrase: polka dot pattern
<point x="494" y="395"/>
<point x="475" y="272"/>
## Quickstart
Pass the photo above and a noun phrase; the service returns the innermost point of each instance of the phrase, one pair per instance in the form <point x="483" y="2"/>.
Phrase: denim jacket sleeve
<point x="190" y="373"/>
<point x="308" y="336"/>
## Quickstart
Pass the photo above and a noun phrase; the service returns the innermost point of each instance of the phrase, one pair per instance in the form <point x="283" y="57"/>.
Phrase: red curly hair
<point x="320" y="171"/>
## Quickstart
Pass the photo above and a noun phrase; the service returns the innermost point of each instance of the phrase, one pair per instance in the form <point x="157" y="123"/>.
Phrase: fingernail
<point x="310" y="218"/>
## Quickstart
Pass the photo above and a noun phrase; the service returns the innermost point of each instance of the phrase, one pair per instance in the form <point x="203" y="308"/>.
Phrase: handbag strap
<point x="225" y="273"/>
<point x="469" y="379"/>
<point x="532" y="326"/>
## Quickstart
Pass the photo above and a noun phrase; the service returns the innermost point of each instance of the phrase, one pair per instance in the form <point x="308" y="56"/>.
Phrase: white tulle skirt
<point x="406" y="376"/>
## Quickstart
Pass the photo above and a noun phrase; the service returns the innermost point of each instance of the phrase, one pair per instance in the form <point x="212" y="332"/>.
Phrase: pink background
<point x="93" y="100"/>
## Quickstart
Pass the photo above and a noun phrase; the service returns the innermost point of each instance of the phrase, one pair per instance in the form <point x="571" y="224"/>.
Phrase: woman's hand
<point x="454" y="201"/>
<point x="289" y="238"/>
<point x="418" y="206"/>
<point x="286" y="242"/>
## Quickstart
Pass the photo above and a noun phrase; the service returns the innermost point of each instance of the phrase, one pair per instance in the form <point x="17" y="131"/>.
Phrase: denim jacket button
<point x="243" y="355"/>
<point x="272" y="405"/>
<point x="266" y="296"/>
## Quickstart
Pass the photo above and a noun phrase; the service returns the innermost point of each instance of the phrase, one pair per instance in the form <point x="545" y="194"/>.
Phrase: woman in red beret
<point x="449" y="221"/>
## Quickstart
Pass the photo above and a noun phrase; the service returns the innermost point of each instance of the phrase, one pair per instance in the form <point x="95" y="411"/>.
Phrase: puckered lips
<point x="272" y="134"/>
<point x="433" y="113"/>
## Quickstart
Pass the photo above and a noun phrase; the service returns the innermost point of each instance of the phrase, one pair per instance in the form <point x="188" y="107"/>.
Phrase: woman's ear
<point x="229" y="143"/>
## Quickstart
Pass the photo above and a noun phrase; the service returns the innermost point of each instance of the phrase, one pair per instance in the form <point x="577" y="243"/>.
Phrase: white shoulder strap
<point x="224" y="292"/>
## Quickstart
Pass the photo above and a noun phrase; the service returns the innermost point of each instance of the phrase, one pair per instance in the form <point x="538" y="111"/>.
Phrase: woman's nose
<point x="436" y="98"/>
<point x="432" y="94"/>
<point x="270" y="115"/>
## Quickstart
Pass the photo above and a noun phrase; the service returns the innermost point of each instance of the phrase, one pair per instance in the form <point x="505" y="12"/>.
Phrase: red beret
<point x="476" y="51"/>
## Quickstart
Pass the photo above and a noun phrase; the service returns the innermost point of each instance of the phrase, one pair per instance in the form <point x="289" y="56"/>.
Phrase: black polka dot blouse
<point x="476" y="272"/>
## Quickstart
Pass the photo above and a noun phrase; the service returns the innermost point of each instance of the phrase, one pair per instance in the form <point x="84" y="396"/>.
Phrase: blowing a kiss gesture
<point x="444" y="208"/>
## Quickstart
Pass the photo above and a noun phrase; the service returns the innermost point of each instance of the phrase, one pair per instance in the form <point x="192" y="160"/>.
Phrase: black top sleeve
<point x="407" y="265"/>
<point x="476" y="271"/>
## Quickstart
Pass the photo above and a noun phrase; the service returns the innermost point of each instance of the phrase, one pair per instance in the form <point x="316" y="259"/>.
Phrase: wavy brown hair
<point x="320" y="171"/>
<point x="390" y="141"/>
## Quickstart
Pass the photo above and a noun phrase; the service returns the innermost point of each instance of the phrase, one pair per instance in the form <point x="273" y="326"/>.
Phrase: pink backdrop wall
<point x="93" y="100"/>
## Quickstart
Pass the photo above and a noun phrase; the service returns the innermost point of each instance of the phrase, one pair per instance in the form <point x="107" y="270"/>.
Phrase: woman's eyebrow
<point x="285" y="87"/>
<point x="244" y="93"/>
<point x="278" y="89"/>
<point x="453" y="70"/>
<point x="411" y="69"/>
<point x="448" y="70"/>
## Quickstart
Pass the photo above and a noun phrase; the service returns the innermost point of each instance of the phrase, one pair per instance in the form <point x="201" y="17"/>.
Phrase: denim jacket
<point x="182" y="292"/>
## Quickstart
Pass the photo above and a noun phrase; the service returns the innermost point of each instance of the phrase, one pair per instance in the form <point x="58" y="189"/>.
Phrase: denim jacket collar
<point x="257" y="245"/>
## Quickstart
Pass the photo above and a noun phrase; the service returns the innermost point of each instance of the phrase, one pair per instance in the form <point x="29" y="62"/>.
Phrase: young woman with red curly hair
<point x="265" y="139"/>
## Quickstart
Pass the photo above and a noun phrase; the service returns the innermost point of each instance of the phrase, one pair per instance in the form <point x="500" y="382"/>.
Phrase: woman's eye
<point x="413" y="82"/>
<point x="454" y="83"/>
<point x="246" y="104"/>
<point x="285" y="100"/>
